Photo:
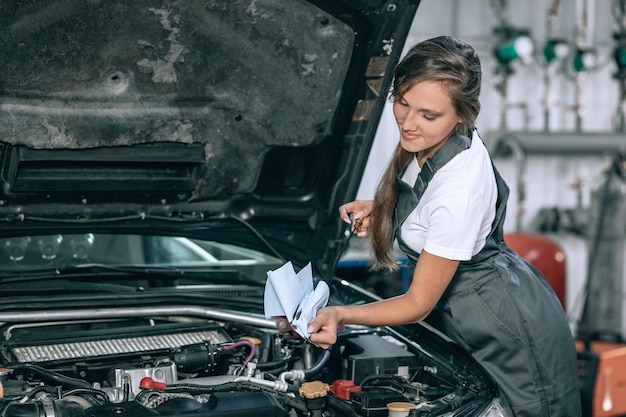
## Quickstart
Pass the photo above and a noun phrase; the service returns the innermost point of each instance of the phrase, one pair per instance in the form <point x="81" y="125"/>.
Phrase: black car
<point x="158" y="158"/>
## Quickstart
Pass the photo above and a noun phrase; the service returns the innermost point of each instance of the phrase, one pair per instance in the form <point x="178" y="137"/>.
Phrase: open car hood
<point x="245" y="120"/>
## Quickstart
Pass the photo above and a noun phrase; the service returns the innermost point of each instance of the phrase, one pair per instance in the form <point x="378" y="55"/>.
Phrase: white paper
<point x="308" y="308"/>
<point x="293" y="296"/>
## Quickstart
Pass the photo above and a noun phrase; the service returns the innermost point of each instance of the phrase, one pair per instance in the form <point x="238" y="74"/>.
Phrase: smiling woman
<point x="444" y="203"/>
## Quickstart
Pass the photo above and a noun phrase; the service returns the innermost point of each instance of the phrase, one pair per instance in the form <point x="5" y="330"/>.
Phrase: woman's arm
<point x="431" y="277"/>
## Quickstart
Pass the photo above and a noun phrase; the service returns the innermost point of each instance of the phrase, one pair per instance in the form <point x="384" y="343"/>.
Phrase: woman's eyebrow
<point x="431" y="111"/>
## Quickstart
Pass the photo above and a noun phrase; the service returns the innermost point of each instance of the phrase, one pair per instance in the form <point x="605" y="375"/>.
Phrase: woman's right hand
<point x="357" y="214"/>
<point x="323" y="329"/>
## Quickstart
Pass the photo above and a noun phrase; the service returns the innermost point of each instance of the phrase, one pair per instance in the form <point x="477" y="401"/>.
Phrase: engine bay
<point x="168" y="364"/>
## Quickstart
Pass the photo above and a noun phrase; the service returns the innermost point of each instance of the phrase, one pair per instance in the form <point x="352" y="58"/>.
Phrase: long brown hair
<point x="454" y="63"/>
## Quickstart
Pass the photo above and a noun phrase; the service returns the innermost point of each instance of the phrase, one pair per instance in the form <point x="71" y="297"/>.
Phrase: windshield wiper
<point x="81" y="270"/>
<point x="87" y="270"/>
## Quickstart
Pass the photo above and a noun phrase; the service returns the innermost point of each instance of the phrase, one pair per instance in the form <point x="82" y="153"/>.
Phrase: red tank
<point x="545" y="255"/>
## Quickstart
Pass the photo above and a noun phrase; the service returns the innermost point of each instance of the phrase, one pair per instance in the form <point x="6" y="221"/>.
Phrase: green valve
<point x="518" y="46"/>
<point x="620" y="57"/>
<point x="579" y="65"/>
<point x="548" y="53"/>
<point x="555" y="49"/>
<point x="584" y="60"/>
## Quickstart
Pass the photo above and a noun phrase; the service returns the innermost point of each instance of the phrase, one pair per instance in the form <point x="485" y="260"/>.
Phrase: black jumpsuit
<point x="503" y="311"/>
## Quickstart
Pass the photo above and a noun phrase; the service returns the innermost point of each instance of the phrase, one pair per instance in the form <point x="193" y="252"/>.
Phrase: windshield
<point x="35" y="252"/>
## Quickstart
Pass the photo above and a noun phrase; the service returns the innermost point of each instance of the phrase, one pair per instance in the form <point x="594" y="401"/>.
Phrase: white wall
<point x="549" y="179"/>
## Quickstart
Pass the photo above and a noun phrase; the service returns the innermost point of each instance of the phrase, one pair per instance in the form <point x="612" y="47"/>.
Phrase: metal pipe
<point x="500" y="9"/>
<point x="504" y="96"/>
<point x="560" y="143"/>
<point x="581" y="79"/>
<point x="619" y="13"/>
<point x="621" y="109"/>
<point x="551" y="68"/>
<point x="518" y="145"/>
<point x="584" y="32"/>
<point x="115" y="313"/>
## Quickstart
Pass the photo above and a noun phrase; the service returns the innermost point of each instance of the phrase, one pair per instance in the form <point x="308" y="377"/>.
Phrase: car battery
<point x="602" y="377"/>
<point x="373" y="402"/>
<point x="371" y="355"/>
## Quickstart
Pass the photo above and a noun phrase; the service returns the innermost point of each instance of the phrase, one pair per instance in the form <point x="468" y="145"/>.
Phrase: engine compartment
<point x="179" y="364"/>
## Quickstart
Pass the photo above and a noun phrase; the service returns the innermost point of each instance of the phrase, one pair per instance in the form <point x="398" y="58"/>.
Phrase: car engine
<point x="169" y="363"/>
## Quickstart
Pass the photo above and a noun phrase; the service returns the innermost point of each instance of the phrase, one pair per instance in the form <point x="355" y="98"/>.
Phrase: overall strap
<point x="453" y="146"/>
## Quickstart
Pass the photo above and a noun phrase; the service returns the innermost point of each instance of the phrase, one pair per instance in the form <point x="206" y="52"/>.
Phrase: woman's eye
<point x="430" y="118"/>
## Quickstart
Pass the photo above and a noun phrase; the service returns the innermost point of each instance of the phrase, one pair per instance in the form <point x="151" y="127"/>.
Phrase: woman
<point x="444" y="202"/>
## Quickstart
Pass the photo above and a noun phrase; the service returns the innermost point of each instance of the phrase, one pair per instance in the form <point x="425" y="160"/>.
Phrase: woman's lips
<point x="410" y="136"/>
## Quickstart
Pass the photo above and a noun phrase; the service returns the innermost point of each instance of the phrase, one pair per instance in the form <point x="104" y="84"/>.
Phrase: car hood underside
<point x="258" y="110"/>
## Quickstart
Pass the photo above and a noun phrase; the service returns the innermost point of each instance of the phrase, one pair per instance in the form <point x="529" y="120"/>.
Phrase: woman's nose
<point x="409" y="121"/>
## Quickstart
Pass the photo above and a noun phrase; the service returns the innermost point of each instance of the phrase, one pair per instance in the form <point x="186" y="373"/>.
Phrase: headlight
<point x="496" y="409"/>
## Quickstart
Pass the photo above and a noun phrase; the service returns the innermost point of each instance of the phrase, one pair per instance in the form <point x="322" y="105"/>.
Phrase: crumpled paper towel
<point x="293" y="296"/>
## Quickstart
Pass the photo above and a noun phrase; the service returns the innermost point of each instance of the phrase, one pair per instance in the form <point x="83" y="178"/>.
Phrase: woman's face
<point x="425" y="117"/>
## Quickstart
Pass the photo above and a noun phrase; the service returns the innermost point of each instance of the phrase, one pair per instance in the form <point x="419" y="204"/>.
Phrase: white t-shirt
<point x="456" y="212"/>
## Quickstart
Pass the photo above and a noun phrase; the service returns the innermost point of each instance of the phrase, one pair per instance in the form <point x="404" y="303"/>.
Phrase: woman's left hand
<point x="357" y="213"/>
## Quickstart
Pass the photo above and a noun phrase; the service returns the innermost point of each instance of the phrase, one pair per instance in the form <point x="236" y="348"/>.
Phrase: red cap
<point x="149" y="383"/>
<point x="343" y="387"/>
